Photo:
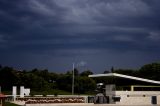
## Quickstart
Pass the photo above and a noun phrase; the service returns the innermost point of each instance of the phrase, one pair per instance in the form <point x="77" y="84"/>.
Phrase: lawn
<point x="10" y="104"/>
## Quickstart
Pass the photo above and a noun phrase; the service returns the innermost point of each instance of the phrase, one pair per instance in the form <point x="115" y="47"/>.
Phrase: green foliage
<point x="125" y="71"/>
<point x="35" y="82"/>
<point x="32" y="94"/>
<point x="65" y="82"/>
<point x="86" y="73"/>
<point x="50" y="92"/>
<point x="150" y="71"/>
<point x="55" y="93"/>
<point x="45" y="82"/>
<point x="8" y="77"/>
<point x="85" y="84"/>
<point x="45" y="94"/>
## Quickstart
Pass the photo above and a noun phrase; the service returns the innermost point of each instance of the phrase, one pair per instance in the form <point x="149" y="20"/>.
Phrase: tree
<point x="112" y="69"/>
<point x="125" y="71"/>
<point x="8" y="78"/>
<point x="150" y="71"/>
<point x="69" y="73"/>
<point x="36" y="71"/>
<point x="76" y="72"/>
<point x="53" y="80"/>
<point x="35" y="82"/>
<point x="64" y="82"/>
<point x="84" y="84"/>
<point x="86" y="73"/>
<point x="0" y="67"/>
<point x="45" y="75"/>
<point x="106" y="72"/>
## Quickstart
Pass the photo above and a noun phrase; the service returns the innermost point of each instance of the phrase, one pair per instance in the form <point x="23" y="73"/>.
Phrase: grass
<point x="10" y="104"/>
<point x="48" y="92"/>
<point x="59" y="92"/>
<point x="51" y="92"/>
<point x="7" y="92"/>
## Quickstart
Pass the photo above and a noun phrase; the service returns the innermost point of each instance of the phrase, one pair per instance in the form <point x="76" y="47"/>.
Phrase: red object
<point x="2" y="95"/>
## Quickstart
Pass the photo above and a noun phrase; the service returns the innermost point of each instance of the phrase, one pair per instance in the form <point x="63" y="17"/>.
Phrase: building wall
<point x="135" y="100"/>
<point x="137" y="97"/>
<point x="158" y="99"/>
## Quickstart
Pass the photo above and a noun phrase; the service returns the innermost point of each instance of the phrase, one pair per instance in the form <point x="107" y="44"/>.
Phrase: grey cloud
<point x="2" y="39"/>
<point x="155" y="36"/>
<point x="79" y="29"/>
<point x="96" y="11"/>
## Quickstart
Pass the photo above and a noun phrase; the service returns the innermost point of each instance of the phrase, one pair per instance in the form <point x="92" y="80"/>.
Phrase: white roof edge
<point x="101" y="75"/>
<point x="125" y="76"/>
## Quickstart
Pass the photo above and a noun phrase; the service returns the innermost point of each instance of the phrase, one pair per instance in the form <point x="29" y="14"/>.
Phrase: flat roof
<point x="125" y="76"/>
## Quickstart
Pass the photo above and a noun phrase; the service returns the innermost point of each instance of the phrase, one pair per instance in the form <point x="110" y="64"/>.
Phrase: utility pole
<point x="73" y="80"/>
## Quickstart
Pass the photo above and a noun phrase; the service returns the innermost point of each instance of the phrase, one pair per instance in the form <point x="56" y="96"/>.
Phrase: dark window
<point x="154" y="99"/>
<point x="116" y="98"/>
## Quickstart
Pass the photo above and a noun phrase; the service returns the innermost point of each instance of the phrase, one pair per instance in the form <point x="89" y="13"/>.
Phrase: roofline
<point x="125" y="76"/>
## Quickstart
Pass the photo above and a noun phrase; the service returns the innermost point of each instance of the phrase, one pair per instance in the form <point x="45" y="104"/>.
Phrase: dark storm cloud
<point x="68" y="29"/>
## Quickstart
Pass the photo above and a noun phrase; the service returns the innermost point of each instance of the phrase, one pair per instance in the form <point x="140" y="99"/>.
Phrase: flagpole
<point x="73" y="80"/>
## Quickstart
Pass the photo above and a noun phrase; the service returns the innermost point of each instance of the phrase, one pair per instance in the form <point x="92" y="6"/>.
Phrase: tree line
<point x="44" y="80"/>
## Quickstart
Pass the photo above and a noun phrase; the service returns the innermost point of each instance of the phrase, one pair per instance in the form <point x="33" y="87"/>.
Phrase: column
<point x="21" y="91"/>
<point x="14" y="92"/>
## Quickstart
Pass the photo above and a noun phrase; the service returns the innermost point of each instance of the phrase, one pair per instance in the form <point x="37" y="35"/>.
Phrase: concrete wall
<point x="147" y="93"/>
<point x="134" y="100"/>
<point x="137" y="97"/>
<point x="158" y="99"/>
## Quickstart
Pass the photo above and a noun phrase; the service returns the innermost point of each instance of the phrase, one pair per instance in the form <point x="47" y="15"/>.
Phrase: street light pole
<point x="73" y="80"/>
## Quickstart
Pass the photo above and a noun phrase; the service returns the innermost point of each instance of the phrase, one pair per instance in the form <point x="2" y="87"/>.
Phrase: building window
<point x="116" y="98"/>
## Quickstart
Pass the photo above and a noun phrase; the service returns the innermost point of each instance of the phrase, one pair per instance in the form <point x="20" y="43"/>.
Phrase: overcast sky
<point x="53" y="34"/>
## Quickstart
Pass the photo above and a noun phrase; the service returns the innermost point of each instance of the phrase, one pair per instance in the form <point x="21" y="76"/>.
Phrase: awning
<point x="125" y="76"/>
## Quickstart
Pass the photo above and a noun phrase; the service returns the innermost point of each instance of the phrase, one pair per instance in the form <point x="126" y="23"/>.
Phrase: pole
<point x="73" y="81"/>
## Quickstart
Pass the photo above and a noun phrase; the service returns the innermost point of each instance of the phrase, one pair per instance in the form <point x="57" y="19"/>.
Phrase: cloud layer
<point x="55" y="33"/>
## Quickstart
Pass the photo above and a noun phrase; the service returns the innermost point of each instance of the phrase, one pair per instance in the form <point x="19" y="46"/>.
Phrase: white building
<point x="140" y="92"/>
